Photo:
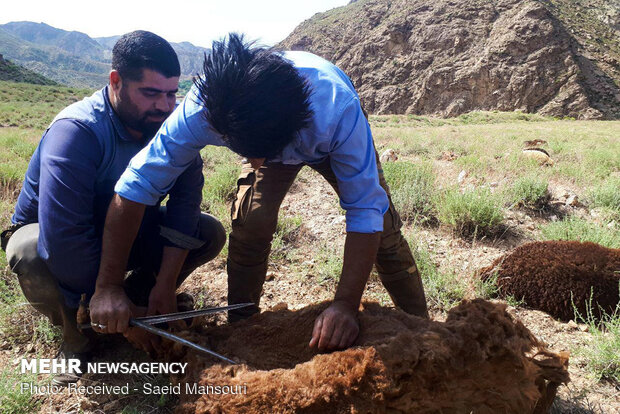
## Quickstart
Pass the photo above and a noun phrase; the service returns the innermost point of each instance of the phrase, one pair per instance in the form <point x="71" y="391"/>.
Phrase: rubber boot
<point x="245" y="284"/>
<point x="406" y="290"/>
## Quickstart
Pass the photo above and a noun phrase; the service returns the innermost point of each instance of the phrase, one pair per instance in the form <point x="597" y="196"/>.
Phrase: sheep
<point x="553" y="275"/>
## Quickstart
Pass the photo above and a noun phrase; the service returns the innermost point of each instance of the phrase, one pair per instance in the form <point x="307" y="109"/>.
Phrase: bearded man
<point x="54" y="245"/>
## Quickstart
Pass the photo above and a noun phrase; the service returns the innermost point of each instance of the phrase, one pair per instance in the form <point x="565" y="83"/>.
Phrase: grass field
<point x="485" y="148"/>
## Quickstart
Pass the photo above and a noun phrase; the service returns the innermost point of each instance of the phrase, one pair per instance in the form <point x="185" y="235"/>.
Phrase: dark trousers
<point x="41" y="289"/>
<point x="254" y="220"/>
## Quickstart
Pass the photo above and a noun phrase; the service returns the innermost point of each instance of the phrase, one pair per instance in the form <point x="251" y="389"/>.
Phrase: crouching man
<point x="55" y="243"/>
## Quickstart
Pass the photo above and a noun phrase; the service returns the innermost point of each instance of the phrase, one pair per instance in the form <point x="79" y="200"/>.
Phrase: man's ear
<point x="115" y="80"/>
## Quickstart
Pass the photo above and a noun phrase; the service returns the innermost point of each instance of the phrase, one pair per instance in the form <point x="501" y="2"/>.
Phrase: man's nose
<point x="164" y="104"/>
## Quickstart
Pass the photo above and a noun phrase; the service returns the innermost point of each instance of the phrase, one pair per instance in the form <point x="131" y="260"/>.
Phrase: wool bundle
<point x="479" y="360"/>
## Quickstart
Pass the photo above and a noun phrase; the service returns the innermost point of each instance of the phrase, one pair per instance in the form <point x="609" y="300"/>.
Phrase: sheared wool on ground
<point x="479" y="360"/>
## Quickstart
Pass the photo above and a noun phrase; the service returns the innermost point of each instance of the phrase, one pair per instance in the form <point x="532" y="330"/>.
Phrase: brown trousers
<point x="254" y="219"/>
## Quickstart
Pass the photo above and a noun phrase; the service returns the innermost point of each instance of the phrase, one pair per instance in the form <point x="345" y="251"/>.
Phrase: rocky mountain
<point x="15" y="73"/>
<point x="448" y="57"/>
<point x="73" y="58"/>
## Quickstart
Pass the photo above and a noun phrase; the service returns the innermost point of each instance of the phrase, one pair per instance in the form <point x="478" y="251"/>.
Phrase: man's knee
<point x="21" y="250"/>
<point x="213" y="234"/>
<point x="252" y="237"/>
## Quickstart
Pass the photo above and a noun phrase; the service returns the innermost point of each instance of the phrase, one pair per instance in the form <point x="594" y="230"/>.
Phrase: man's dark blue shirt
<point x="70" y="182"/>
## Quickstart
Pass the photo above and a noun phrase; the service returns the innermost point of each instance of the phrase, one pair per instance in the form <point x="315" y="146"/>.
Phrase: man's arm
<point x="353" y="161"/>
<point x="182" y="217"/>
<point x="337" y="327"/>
<point x="110" y="305"/>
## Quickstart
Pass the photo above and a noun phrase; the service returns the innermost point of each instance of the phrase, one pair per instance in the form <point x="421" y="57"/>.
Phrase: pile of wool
<point x="479" y="360"/>
<point x="558" y="277"/>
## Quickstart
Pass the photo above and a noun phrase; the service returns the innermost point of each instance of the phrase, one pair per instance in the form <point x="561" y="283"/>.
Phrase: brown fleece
<point x="552" y="275"/>
<point x="479" y="361"/>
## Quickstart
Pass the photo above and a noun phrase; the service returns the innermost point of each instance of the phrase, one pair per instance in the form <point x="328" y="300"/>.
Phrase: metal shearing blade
<point x="182" y="341"/>
<point x="180" y="315"/>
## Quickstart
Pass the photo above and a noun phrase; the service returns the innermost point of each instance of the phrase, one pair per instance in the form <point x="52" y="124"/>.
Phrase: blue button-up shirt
<point x="70" y="182"/>
<point x="338" y="131"/>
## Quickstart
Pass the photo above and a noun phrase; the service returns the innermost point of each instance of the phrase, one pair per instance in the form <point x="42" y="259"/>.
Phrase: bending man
<point x="281" y="111"/>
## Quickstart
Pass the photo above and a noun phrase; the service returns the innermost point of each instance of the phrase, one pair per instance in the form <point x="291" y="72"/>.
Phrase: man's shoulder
<point x="89" y="111"/>
<point x="331" y="88"/>
<point x="318" y="69"/>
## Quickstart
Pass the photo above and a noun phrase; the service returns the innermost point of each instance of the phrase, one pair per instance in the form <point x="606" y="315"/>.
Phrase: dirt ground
<point x="296" y="284"/>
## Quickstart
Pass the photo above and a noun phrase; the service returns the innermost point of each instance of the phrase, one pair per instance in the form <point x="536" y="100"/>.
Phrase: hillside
<point x="450" y="57"/>
<point x="73" y="58"/>
<point x="53" y="62"/>
<point x="15" y="73"/>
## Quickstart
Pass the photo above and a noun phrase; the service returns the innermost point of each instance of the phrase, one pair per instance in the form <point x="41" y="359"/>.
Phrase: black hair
<point x="253" y="96"/>
<point x="139" y="50"/>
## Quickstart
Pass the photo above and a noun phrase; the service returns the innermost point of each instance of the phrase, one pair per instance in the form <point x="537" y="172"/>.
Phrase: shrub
<point x="412" y="187"/>
<point x="12" y="399"/>
<point x="474" y="212"/>
<point x="287" y="232"/>
<point x="530" y="192"/>
<point x="606" y="194"/>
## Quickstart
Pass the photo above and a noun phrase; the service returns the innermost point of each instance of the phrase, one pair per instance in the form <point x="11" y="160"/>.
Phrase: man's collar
<point x="116" y="121"/>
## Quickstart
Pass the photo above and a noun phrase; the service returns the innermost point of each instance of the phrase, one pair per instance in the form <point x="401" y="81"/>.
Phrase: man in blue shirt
<point x="281" y="111"/>
<point x="60" y="213"/>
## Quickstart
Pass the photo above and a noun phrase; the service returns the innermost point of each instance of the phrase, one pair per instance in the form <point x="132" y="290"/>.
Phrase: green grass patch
<point x="412" y="187"/>
<point x="221" y="170"/>
<point x="16" y="148"/>
<point x="489" y="147"/>
<point x="603" y="352"/>
<point x="573" y="228"/>
<point x="443" y="290"/>
<point x="328" y="264"/>
<point x="531" y="192"/>
<point x="606" y="195"/>
<point x="472" y="213"/>
<point x="12" y="400"/>
<point x="25" y="105"/>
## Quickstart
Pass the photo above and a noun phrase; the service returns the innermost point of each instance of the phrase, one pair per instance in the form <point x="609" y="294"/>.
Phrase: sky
<point x="196" y="21"/>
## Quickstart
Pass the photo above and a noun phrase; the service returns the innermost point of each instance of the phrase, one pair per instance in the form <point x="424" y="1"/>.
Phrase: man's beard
<point x="128" y="113"/>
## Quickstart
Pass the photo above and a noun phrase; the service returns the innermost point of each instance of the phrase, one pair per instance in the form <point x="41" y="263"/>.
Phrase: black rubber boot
<point x="245" y="284"/>
<point x="406" y="290"/>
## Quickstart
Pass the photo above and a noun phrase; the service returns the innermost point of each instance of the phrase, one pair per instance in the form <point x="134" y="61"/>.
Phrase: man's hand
<point x="111" y="308"/>
<point x="163" y="300"/>
<point x="336" y="328"/>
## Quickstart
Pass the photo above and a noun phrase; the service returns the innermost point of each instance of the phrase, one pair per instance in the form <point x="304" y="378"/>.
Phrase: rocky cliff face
<point x="447" y="57"/>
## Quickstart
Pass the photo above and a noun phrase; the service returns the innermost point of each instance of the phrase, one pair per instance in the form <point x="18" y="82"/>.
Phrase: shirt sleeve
<point x="68" y="242"/>
<point x="153" y="171"/>
<point x="353" y="160"/>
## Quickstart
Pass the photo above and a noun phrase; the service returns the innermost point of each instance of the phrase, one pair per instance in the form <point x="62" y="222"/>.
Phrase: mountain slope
<point x="74" y="58"/>
<point x="74" y="43"/>
<point x="448" y="57"/>
<point x="15" y="73"/>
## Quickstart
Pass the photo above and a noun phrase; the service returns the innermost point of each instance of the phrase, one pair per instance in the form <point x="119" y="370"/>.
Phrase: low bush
<point x="472" y="213"/>
<point x="412" y="187"/>
<point x="529" y="192"/>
